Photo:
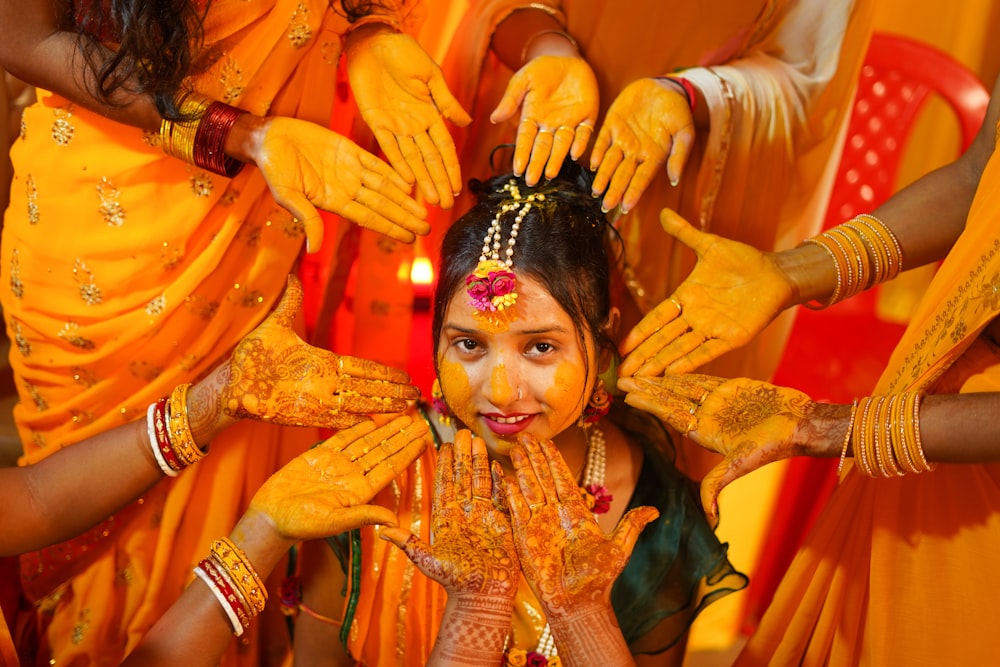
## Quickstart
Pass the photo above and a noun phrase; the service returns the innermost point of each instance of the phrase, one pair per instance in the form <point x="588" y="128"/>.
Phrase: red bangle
<point x="686" y="87"/>
<point x="163" y="438"/>
<point x="210" y="140"/>
<point x="236" y="604"/>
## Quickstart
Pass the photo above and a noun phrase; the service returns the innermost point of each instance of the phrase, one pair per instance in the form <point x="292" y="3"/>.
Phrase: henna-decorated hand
<point x="751" y="423"/>
<point x="473" y="550"/>
<point x="733" y="292"/>
<point x="566" y="558"/>
<point x="326" y="490"/>
<point x="558" y="98"/>
<point x="275" y="376"/>
<point x="647" y="125"/>
<point x="404" y="99"/>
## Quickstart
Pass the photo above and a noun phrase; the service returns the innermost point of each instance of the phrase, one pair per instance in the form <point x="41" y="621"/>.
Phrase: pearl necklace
<point x="593" y="473"/>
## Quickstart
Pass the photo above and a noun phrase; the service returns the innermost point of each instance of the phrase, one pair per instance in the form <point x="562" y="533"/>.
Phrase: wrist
<point x="246" y="137"/>
<point x="590" y="636"/>
<point x="810" y="273"/>
<point x="259" y="538"/>
<point x="549" y="42"/>
<point x="206" y="415"/>
<point x="364" y="29"/>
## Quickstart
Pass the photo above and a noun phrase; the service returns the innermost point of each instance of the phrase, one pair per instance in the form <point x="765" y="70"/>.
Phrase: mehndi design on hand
<point x="325" y="490"/>
<point x="276" y="376"/>
<point x="566" y="558"/>
<point x="473" y="549"/>
<point x="751" y="423"/>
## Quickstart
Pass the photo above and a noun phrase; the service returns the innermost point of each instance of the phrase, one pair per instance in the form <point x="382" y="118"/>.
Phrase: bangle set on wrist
<point x="201" y="138"/>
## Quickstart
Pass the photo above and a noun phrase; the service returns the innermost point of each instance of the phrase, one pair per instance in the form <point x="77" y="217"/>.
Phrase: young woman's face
<point x="531" y="378"/>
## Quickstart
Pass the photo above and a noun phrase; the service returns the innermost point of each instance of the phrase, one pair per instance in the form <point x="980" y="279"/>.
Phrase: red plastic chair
<point x="839" y="353"/>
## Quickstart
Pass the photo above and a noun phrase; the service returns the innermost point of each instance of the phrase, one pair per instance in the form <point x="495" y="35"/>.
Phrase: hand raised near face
<point x="558" y="99"/>
<point x="566" y="558"/>
<point x="275" y="376"/>
<point x="404" y="99"/>
<point x="472" y="553"/>
<point x="751" y="423"/>
<point x="326" y="490"/>
<point x="732" y="294"/>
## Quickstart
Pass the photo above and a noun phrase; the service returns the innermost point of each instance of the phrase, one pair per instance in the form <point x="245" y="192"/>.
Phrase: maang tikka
<point x="492" y="286"/>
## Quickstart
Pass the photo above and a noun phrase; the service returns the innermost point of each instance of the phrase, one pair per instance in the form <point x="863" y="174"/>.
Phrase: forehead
<point x="536" y="311"/>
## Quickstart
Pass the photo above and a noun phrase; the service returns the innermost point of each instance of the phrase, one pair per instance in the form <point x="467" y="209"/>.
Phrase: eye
<point x="468" y="344"/>
<point x="540" y="349"/>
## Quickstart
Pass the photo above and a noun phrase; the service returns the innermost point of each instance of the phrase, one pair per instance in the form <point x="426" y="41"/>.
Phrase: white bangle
<point x="531" y="40"/>
<point x="151" y="434"/>
<point x="220" y="596"/>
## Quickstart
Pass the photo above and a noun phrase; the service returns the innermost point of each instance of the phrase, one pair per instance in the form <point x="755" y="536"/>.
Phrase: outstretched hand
<point x="647" y="125"/>
<point x="403" y="97"/>
<point x="732" y="294"/>
<point x="566" y="558"/>
<point x="751" y="423"/>
<point x="558" y="98"/>
<point x="326" y="490"/>
<point x="473" y="549"/>
<point x="307" y="166"/>
<point x="275" y="376"/>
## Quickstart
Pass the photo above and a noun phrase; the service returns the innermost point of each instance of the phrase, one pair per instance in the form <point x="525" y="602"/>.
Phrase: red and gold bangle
<point x="179" y="428"/>
<point x="210" y="140"/>
<point x="240" y="614"/>
<point x="847" y="436"/>
<point x="241" y="572"/>
<point x="156" y="424"/>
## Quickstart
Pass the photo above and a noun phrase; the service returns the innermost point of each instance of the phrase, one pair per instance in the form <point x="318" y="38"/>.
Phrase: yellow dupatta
<point x="128" y="272"/>
<point x="899" y="571"/>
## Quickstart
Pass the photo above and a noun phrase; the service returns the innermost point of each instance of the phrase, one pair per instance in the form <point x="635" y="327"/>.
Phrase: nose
<point x="503" y="385"/>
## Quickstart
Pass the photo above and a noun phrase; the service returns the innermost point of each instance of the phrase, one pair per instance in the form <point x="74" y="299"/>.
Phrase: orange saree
<point x="127" y="272"/>
<point x="899" y="571"/>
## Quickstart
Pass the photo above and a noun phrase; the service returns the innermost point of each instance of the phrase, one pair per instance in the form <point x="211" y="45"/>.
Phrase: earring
<point x="598" y="405"/>
<point x="437" y="402"/>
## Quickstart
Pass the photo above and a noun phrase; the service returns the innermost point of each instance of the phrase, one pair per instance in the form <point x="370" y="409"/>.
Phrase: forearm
<point x="195" y="630"/>
<point x="36" y="51"/>
<point x="590" y="637"/>
<point x="473" y="632"/>
<point x="528" y="33"/>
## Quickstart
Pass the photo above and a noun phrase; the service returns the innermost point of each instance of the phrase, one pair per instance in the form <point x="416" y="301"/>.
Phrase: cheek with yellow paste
<point x="457" y="391"/>
<point x="566" y="395"/>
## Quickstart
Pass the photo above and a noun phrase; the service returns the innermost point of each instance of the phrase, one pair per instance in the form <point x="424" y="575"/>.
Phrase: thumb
<point x="360" y="515"/>
<point x="627" y="531"/>
<point x="299" y="206"/>
<point x="398" y="536"/>
<point x="512" y="99"/>
<point x="682" y="230"/>
<point x="447" y="103"/>
<point x="291" y="301"/>
<point x="711" y="486"/>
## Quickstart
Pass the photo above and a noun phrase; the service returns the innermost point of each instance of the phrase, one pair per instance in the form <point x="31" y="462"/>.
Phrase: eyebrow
<point x="521" y="332"/>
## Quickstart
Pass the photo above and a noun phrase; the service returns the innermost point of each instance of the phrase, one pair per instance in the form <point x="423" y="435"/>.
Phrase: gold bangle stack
<point x="177" y="136"/>
<point x="241" y="572"/>
<point x="201" y="138"/>
<point x="865" y="253"/>
<point x="886" y="436"/>
<point x="179" y="428"/>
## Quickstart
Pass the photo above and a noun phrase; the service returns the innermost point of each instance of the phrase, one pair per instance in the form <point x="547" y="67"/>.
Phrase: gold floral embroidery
<point x="23" y="346"/>
<point x="151" y="139"/>
<point x="84" y="376"/>
<point x="229" y="197"/>
<point x="80" y="629"/>
<point x="71" y="334"/>
<point x="110" y="209"/>
<point x="249" y="235"/>
<point x="299" y="32"/>
<point x="170" y="257"/>
<point x="144" y="370"/>
<point x="330" y="50"/>
<point x="89" y="291"/>
<point x="188" y="361"/>
<point x="62" y="128"/>
<point x="156" y="306"/>
<point x="38" y="440"/>
<point x="231" y="78"/>
<point x="201" y="184"/>
<point x="201" y="307"/>
<point x="16" y="286"/>
<point x="293" y="227"/>
<point x="36" y="397"/>
<point x="246" y="297"/>
<point x="32" y="193"/>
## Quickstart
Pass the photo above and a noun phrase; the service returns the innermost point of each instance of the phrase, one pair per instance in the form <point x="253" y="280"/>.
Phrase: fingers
<point x="390" y="147"/>
<point x="414" y="439"/>
<point x="482" y="478"/>
<point x="399" y="537"/>
<point x="671" y="410"/>
<point x="612" y="157"/>
<point x="447" y="103"/>
<point x="287" y="310"/>
<point x="711" y="349"/>
<point x="657" y="329"/>
<point x="581" y="138"/>
<point x="680" y="149"/>
<point x="444" y="490"/>
<point x="512" y="98"/>
<point x="563" y="481"/>
<point x="302" y="210"/>
<point x="541" y="149"/>
<point x="562" y="141"/>
<point x="446" y="148"/>
<point x="711" y="486"/>
<point x="379" y="177"/>
<point x="682" y="230"/>
<point x="643" y="176"/>
<point x="367" y="369"/>
<point x="356" y="516"/>
<point x="438" y="178"/>
<point x="631" y="525"/>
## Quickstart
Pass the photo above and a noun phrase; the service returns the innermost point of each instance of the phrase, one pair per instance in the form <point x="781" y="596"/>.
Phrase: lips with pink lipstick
<point x="507" y="425"/>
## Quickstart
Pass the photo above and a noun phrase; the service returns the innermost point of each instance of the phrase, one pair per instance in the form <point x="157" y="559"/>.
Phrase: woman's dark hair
<point x="563" y="243"/>
<point x="149" y="46"/>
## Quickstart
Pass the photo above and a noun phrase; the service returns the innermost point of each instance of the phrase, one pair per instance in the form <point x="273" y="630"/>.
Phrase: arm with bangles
<point x="736" y="290"/>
